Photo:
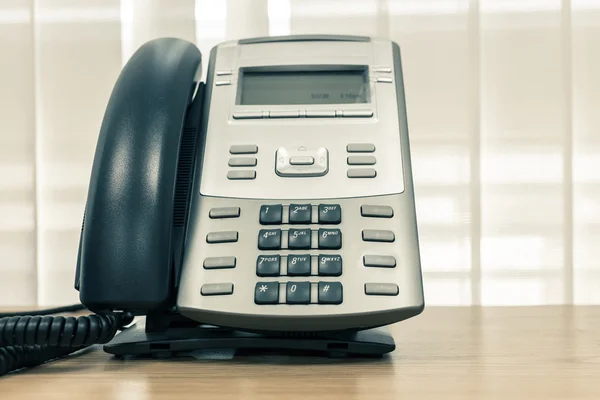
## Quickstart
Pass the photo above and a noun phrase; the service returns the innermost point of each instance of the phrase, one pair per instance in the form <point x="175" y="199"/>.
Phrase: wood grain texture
<point x="448" y="353"/>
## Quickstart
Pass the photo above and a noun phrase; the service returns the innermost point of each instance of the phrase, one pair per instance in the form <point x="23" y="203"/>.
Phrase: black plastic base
<point x="136" y="341"/>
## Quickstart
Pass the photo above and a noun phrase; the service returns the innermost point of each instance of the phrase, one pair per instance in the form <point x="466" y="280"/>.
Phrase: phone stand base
<point x="136" y="341"/>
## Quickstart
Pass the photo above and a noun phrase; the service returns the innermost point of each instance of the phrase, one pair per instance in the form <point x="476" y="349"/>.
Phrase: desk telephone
<point x="271" y="206"/>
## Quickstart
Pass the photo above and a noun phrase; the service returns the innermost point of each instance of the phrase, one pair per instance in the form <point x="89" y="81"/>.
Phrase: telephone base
<point x="135" y="341"/>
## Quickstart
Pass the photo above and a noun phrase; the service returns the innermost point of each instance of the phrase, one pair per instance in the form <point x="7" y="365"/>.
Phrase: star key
<point x="266" y="293"/>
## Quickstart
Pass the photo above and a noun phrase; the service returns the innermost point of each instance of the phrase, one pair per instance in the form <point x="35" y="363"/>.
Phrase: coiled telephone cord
<point x="30" y="340"/>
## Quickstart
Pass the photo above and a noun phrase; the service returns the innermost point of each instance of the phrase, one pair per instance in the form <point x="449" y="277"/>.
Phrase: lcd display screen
<point x="304" y="87"/>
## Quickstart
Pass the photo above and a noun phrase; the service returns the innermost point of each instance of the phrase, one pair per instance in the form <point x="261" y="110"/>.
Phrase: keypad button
<point x="266" y="293"/>
<point x="298" y="293"/>
<point x="374" y="235"/>
<point x="298" y="265"/>
<point x="219" y="262"/>
<point x="222" y="237"/>
<point x="224" y="212"/>
<point x="270" y="214"/>
<point x="269" y="239"/>
<point x="299" y="238"/>
<point x="268" y="265"/>
<point x="330" y="214"/>
<point x="215" y="289"/>
<point x="376" y="211"/>
<point x="330" y="293"/>
<point x="330" y="239"/>
<point x="300" y="213"/>
<point x="330" y="265"/>
<point x="381" y="289"/>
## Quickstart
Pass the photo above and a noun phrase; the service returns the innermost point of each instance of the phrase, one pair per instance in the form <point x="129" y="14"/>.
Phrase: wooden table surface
<point x="446" y="353"/>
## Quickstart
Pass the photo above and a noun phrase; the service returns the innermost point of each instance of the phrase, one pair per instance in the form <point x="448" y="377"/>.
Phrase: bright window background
<point x="503" y="99"/>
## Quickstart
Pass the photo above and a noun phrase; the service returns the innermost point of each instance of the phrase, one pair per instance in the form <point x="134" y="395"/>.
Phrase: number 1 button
<point x="270" y="214"/>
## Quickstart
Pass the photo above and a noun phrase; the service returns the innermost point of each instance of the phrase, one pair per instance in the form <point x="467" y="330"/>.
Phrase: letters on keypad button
<point x="299" y="238"/>
<point x="330" y="265"/>
<point x="298" y="265"/>
<point x="330" y="239"/>
<point x="268" y="265"/>
<point x="330" y="293"/>
<point x="266" y="293"/>
<point x="300" y="213"/>
<point x="269" y="239"/>
<point x="330" y="214"/>
<point x="270" y="214"/>
<point x="297" y="293"/>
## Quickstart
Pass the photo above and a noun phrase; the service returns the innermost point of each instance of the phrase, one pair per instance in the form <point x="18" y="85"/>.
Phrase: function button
<point x="219" y="262"/>
<point x="270" y="214"/>
<point x="269" y="239"/>
<point x="242" y="162"/>
<point x="223" y="82"/>
<point x="330" y="293"/>
<point x="360" y="148"/>
<point x="298" y="265"/>
<point x="382" y="69"/>
<point x="222" y="237"/>
<point x="247" y="115"/>
<point x="266" y="293"/>
<point x="302" y="160"/>
<point x="224" y="212"/>
<point x="377" y="211"/>
<point x="330" y="213"/>
<point x="284" y="114"/>
<point x="297" y="293"/>
<point x="300" y="213"/>
<point x="362" y="173"/>
<point x="244" y="149"/>
<point x="385" y="79"/>
<point x="214" y="289"/>
<point x="379" y="261"/>
<point x="224" y="72"/>
<point x="320" y="113"/>
<point x="268" y="265"/>
<point x="361" y="160"/>
<point x="237" y="175"/>
<point x="299" y="239"/>
<point x="283" y="167"/>
<point x="374" y="235"/>
<point x="330" y="239"/>
<point x="381" y="289"/>
<point x="357" y="113"/>
<point x="330" y="265"/>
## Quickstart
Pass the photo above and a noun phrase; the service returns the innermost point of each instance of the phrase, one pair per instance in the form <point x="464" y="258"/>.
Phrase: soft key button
<point x="284" y="114"/>
<point x="286" y="161"/>
<point x="242" y="162"/>
<point x="224" y="212"/>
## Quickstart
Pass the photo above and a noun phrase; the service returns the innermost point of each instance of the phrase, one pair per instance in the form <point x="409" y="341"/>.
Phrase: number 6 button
<point x="330" y="239"/>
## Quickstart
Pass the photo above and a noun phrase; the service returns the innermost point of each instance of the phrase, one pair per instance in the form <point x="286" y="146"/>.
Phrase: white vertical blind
<point x="502" y="107"/>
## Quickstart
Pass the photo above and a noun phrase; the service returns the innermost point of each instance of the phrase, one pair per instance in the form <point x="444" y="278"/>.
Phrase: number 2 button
<point x="300" y="213"/>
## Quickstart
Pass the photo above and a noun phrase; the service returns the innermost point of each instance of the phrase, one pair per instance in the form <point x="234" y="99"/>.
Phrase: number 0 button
<point x="298" y="293"/>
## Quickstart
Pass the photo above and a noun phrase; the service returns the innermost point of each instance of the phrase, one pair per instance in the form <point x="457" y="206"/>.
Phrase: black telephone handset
<point x="135" y="212"/>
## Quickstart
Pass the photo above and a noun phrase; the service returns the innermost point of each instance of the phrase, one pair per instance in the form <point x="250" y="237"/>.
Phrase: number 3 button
<point x="297" y="293"/>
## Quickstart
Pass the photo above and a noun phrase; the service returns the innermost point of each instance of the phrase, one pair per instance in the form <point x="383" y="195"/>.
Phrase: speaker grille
<point x="184" y="175"/>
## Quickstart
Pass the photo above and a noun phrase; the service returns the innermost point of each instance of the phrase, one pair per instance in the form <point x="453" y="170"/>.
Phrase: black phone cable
<point x="30" y="340"/>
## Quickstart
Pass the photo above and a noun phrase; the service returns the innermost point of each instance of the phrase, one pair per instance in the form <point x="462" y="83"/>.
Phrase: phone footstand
<point x="136" y="341"/>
